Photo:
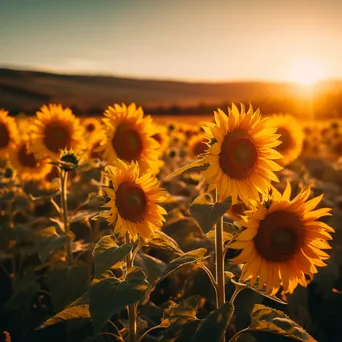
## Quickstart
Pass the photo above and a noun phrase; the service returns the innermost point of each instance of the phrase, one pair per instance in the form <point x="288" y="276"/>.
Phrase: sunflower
<point x="132" y="205"/>
<point x="161" y="136"/>
<point x="291" y="137"/>
<point x="91" y="126"/>
<point x="241" y="153"/>
<point x="8" y="133"/>
<point x="197" y="145"/>
<point x="94" y="148"/>
<point x="283" y="241"/>
<point x="55" y="129"/>
<point x="51" y="180"/>
<point x="129" y="137"/>
<point x="26" y="164"/>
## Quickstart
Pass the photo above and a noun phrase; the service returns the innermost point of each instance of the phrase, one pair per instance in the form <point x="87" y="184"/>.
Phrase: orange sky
<point x="179" y="39"/>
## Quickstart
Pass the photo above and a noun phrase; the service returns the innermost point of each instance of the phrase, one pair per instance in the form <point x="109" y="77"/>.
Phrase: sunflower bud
<point x="68" y="160"/>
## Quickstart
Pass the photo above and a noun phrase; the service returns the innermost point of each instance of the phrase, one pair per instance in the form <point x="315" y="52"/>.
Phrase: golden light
<point x="307" y="73"/>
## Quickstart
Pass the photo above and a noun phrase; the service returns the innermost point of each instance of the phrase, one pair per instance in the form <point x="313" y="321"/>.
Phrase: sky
<point x="228" y="40"/>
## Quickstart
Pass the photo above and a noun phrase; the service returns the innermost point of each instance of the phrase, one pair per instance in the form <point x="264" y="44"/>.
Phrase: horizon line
<point x="66" y="72"/>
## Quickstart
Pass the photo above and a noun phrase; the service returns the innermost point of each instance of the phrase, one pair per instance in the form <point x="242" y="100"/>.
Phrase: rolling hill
<point x="26" y="91"/>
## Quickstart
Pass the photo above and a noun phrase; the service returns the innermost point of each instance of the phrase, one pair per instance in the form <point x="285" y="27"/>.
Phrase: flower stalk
<point x="219" y="263"/>
<point x="132" y="309"/>
<point x="64" y="214"/>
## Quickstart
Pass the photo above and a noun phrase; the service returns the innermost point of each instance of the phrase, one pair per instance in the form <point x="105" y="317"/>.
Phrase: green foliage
<point x="266" y="319"/>
<point x="153" y="267"/>
<point x="213" y="327"/>
<point x="186" y="309"/>
<point x="229" y="277"/>
<point x="24" y="290"/>
<point x="111" y="295"/>
<point x="84" y="215"/>
<point x="48" y="241"/>
<point x="206" y="213"/>
<point x="67" y="283"/>
<point x="107" y="253"/>
<point x="163" y="241"/>
<point x="70" y="313"/>
<point x="182" y="325"/>
<point x="186" y="259"/>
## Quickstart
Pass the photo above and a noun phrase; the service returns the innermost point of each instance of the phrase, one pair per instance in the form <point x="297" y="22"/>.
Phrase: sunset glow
<point x="307" y="73"/>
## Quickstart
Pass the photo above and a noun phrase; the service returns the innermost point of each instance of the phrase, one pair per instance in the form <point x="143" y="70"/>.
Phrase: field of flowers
<point x="122" y="228"/>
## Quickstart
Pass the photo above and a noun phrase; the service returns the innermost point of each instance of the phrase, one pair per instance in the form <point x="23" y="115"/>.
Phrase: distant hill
<point x="26" y="91"/>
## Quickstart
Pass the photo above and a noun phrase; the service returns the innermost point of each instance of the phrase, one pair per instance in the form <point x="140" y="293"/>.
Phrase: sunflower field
<point x="124" y="228"/>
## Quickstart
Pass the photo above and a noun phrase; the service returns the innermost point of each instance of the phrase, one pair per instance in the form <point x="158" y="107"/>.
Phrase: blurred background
<point x="173" y="57"/>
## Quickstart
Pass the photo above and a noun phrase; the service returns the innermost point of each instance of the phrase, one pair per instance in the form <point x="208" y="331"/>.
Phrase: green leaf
<point x="162" y="240"/>
<point x="195" y="166"/>
<point x="180" y="320"/>
<point x="187" y="308"/>
<point x="153" y="267"/>
<point x="229" y="277"/>
<point x="74" y="312"/>
<point x="107" y="253"/>
<point x="182" y="324"/>
<point x="47" y="241"/>
<point x="67" y="283"/>
<point x="110" y="295"/>
<point x="186" y="259"/>
<point x="213" y="327"/>
<point x="276" y="322"/>
<point x="206" y="213"/>
<point x="25" y="289"/>
<point x="83" y="216"/>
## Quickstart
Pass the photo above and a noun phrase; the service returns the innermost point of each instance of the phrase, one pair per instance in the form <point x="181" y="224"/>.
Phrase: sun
<point x="307" y="73"/>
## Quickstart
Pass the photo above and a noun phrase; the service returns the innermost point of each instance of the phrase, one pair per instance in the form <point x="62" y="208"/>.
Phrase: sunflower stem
<point x="210" y="276"/>
<point x="237" y="290"/>
<point x="219" y="262"/>
<point x="64" y="213"/>
<point x="132" y="309"/>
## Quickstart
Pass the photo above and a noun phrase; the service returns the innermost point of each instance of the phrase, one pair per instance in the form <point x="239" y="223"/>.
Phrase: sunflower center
<point x="157" y="137"/>
<point x="280" y="236"/>
<point x="26" y="159"/>
<point x="90" y="128"/>
<point x="127" y="143"/>
<point x="200" y="147"/>
<point x="285" y="139"/>
<point x="56" y="137"/>
<point x="131" y="202"/>
<point x="4" y="135"/>
<point x="238" y="155"/>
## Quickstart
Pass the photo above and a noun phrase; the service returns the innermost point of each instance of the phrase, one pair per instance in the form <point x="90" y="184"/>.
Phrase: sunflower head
<point x="8" y="133"/>
<point x="241" y="154"/>
<point x="162" y="137"/>
<point x="91" y="126"/>
<point x="283" y="242"/>
<point x="291" y="137"/>
<point x="198" y="144"/>
<point x="129" y="137"/>
<point x="133" y="201"/>
<point x="69" y="159"/>
<point x="55" y="129"/>
<point x="26" y="164"/>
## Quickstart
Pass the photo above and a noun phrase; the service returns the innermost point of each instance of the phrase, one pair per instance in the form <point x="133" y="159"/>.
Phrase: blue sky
<point x="178" y="39"/>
